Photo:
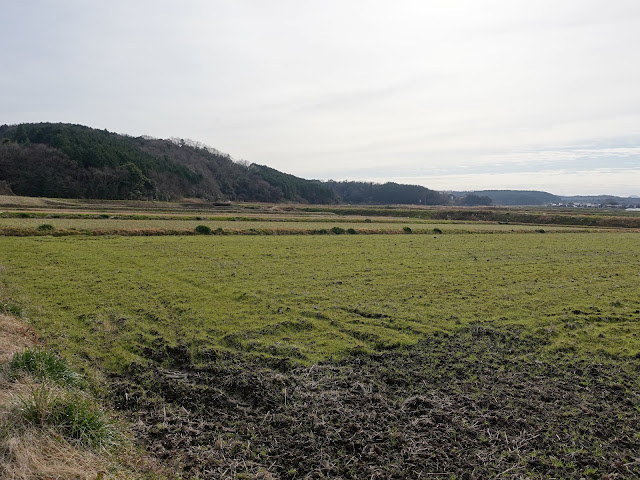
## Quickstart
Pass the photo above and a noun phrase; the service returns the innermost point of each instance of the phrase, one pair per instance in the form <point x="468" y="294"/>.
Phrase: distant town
<point x="614" y="205"/>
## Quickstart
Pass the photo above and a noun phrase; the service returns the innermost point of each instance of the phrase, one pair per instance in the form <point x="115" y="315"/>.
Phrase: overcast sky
<point x="453" y="95"/>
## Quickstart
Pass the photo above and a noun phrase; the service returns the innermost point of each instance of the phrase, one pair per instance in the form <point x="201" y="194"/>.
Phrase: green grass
<point x="73" y="415"/>
<point x="44" y="365"/>
<point x="58" y="402"/>
<point x="104" y="299"/>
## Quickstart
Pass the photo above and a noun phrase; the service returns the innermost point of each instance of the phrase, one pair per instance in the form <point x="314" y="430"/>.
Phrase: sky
<point x="449" y="94"/>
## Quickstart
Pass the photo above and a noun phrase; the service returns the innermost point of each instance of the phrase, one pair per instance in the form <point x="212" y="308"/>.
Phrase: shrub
<point x="437" y="230"/>
<point x="44" y="365"/>
<point x="74" y="416"/>
<point x="10" y="309"/>
<point x="219" y="231"/>
<point x="367" y="220"/>
<point x="203" y="230"/>
<point x="351" y="231"/>
<point x="407" y="229"/>
<point x="540" y="230"/>
<point x="338" y="230"/>
<point x="45" y="227"/>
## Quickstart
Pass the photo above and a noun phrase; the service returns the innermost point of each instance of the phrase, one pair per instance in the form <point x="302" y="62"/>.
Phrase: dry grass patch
<point x="44" y="427"/>
<point x="30" y="452"/>
<point x="15" y="336"/>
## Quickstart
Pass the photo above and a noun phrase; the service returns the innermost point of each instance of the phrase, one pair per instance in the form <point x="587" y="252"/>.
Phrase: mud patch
<point x="477" y="404"/>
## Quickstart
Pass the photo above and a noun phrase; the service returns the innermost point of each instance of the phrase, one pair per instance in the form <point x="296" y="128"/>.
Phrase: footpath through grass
<point x="311" y="298"/>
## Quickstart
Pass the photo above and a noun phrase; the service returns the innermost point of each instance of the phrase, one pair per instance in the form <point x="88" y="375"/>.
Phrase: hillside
<point x="385" y="194"/>
<point x="75" y="161"/>
<point x="514" y="197"/>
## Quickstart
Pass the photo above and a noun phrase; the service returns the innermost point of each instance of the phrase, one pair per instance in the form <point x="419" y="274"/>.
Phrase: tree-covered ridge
<point x="64" y="160"/>
<point x="385" y="194"/>
<point x="75" y="161"/>
<point x="295" y="188"/>
<point x="512" y="197"/>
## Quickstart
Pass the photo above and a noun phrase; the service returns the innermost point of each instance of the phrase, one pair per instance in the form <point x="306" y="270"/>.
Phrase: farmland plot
<point x="313" y="298"/>
<point x="466" y="356"/>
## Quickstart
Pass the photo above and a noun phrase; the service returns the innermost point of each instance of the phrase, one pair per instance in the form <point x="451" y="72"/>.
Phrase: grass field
<point x="467" y="356"/>
<point x="311" y="298"/>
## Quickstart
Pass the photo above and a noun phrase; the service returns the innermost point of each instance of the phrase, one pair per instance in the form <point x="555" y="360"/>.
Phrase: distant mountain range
<point x="75" y="161"/>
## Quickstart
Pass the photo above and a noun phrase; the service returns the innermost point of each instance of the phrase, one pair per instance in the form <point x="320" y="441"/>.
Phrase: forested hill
<point x="385" y="194"/>
<point x="514" y="197"/>
<point x="74" y="161"/>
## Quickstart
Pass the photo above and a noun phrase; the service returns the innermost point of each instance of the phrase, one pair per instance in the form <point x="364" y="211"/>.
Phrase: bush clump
<point x="407" y="229"/>
<point x="203" y="230"/>
<point x="45" y="227"/>
<point x="75" y="416"/>
<point x="351" y="231"/>
<point x="10" y="309"/>
<point x="338" y="230"/>
<point x="44" y="365"/>
<point x="437" y="230"/>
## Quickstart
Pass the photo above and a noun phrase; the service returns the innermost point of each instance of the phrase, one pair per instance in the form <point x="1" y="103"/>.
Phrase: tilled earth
<point x="480" y="403"/>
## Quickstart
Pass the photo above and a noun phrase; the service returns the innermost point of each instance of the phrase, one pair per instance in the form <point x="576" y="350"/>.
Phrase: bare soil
<point x="481" y="403"/>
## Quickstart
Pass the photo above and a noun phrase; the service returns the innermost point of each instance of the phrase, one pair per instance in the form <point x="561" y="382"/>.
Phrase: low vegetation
<point x="327" y="355"/>
<point x="203" y="230"/>
<point x="52" y="427"/>
<point x="58" y="401"/>
<point x="75" y="416"/>
<point x="315" y="297"/>
<point x="44" y="365"/>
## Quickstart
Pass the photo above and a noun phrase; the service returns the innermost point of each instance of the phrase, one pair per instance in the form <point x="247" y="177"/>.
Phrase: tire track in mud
<point x="480" y="403"/>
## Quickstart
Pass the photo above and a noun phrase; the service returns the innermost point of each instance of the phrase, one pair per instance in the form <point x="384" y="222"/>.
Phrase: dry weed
<point x="29" y="452"/>
<point x="14" y="337"/>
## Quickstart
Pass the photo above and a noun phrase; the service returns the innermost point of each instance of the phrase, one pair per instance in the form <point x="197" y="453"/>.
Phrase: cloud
<point x="559" y="182"/>
<point x="333" y="89"/>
